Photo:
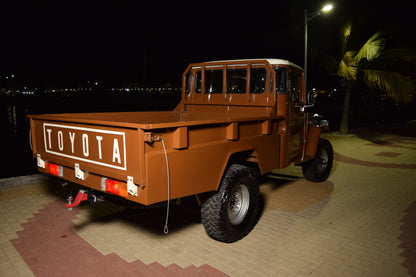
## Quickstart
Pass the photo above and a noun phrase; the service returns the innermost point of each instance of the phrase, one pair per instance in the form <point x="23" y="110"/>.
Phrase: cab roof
<point x="271" y="61"/>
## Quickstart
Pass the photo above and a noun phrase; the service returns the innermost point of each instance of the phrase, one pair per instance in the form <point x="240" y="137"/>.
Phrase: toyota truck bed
<point x="89" y="148"/>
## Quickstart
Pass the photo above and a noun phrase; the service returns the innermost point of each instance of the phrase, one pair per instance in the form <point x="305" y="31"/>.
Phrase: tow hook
<point x="82" y="195"/>
<point x="69" y="202"/>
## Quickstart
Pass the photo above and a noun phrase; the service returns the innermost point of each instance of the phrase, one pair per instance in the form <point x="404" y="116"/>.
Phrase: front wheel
<point x="318" y="169"/>
<point x="231" y="213"/>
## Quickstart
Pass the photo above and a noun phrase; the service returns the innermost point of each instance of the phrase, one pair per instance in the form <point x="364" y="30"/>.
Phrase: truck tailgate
<point x="88" y="152"/>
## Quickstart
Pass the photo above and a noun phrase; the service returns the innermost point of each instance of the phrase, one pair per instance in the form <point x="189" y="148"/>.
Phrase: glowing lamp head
<point x="327" y="8"/>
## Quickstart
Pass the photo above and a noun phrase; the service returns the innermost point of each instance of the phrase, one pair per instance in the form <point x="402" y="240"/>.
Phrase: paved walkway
<point x="361" y="222"/>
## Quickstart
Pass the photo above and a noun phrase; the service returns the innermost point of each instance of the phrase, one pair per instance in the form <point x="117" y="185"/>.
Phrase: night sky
<point x="65" y="43"/>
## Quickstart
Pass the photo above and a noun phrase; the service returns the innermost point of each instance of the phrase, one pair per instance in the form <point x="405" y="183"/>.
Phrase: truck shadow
<point x="152" y="220"/>
<point x="289" y="193"/>
<point x="149" y="219"/>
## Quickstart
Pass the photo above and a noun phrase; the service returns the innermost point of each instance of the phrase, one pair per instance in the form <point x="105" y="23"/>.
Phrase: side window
<point x="236" y="80"/>
<point x="296" y="86"/>
<point x="213" y="80"/>
<point x="197" y="82"/>
<point x="188" y="88"/>
<point x="281" y="80"/>
<point x="258" y="77"/>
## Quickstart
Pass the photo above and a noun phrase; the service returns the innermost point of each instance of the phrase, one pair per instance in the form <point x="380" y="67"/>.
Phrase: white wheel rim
<point x="238" y="204"/>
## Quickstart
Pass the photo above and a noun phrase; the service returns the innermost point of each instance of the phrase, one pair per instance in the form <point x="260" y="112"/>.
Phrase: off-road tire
<point x="231" y="213"/>
<point x="319" y="168"/>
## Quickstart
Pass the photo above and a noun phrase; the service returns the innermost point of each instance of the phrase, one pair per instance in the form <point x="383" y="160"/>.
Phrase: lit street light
<point x="327" y="8"/>
<point x="309" y="17"/>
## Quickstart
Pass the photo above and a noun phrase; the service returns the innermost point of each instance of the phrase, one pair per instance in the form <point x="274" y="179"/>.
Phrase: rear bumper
<point x="94" y="181"/>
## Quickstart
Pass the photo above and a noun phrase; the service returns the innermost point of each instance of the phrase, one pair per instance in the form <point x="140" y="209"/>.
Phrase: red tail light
<point x="55" y="169"/>
<point x="116" y="187"/>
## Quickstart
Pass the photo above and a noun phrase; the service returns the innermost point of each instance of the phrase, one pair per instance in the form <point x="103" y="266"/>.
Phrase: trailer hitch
<point x="83" y="195"/>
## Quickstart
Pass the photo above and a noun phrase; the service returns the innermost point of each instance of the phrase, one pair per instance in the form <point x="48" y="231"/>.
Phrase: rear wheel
<point x="231" y="213"/>
<point x="318" y="169"/>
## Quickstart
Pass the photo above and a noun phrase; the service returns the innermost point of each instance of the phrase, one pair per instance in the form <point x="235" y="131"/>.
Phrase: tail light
<point x="55" y="169"/>
<point x="114" y="187"/>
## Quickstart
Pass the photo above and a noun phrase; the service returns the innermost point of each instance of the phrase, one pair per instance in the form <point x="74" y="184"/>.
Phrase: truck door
<point x="296" y="116"/>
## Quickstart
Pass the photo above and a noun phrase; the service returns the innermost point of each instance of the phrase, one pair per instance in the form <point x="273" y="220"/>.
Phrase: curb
<point x="22" y="181"/>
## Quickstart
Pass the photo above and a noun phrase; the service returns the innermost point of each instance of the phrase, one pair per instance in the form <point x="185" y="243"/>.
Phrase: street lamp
<point x="327" y="8"/>
<point x="309" y="17"/>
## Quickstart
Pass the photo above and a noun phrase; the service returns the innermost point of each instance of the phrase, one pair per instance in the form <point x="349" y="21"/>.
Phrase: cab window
<point x="197" y="82"/>
<point x="236" y="80"/>
<point x="281" y="80"/>
<point x="213" y="80"/>
<point x="258" y="78"/>
<point x="296" y="86"/>
<point x="188" y="87"/>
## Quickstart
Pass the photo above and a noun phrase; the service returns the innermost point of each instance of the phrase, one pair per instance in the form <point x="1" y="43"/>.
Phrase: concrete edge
<point x="23" y="181"/>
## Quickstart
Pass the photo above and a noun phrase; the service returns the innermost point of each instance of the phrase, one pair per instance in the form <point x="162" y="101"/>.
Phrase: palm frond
<point x="347" y="67"/>
<point x="396" y="85"/>
<point x="399" y="54"/>
<point x="345" y="36"/>
<point x="398" y="59"/>
<point x="372" y="48"/>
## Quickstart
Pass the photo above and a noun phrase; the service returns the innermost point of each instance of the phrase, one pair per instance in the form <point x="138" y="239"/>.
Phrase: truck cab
<point x="261" y="87"/>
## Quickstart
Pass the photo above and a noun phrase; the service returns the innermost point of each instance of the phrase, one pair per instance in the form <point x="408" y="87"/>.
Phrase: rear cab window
<point x="237" y="79"/>
<point x="193" y="80"/>
<point x="258" y="80"/>
<point x="213" y="80"/>
<point x="230" y="82"/>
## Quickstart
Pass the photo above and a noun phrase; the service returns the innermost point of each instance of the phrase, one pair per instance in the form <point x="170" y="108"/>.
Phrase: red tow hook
<point x="81" y="196"/>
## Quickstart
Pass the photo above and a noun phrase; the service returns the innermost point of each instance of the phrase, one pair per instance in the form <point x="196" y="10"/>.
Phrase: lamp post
<point x="309" y="17"/>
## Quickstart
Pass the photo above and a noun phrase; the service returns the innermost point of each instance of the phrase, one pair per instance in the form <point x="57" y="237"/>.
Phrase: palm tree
<point x="374" y="65"/>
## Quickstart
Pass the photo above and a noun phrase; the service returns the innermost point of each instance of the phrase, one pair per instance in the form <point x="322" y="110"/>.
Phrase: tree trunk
<point x="343" y="128"/>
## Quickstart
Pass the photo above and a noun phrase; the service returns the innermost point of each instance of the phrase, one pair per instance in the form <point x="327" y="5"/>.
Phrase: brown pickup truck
<point x="237" y="119"/>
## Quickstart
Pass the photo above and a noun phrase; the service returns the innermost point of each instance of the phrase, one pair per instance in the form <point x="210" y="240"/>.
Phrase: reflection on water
<point x="12" y="117"/>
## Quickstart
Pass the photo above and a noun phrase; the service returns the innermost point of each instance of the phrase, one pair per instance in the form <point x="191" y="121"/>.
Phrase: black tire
<point x="319" y="168"/>
<point x="231" y="213"/>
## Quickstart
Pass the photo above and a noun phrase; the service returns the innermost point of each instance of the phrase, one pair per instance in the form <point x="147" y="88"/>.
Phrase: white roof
<point x="269" y="60"/>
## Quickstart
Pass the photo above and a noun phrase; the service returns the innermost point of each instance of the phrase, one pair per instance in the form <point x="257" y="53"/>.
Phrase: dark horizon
<point x="65" y="44"/>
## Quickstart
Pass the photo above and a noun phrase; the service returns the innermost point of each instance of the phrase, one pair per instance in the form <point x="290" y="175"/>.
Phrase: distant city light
<point x="26" y="90"/>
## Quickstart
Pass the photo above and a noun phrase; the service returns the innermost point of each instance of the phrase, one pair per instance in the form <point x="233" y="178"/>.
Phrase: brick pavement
<point x="358" y="223"/>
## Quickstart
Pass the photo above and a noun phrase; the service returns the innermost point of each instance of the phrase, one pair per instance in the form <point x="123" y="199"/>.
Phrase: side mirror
<point x="310" y="98"/>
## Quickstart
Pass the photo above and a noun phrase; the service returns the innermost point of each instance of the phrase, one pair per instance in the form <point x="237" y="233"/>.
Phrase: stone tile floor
<point x="361" y="222"/>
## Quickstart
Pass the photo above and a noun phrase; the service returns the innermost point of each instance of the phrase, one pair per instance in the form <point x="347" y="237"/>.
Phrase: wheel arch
<point x="246" y="157"/>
